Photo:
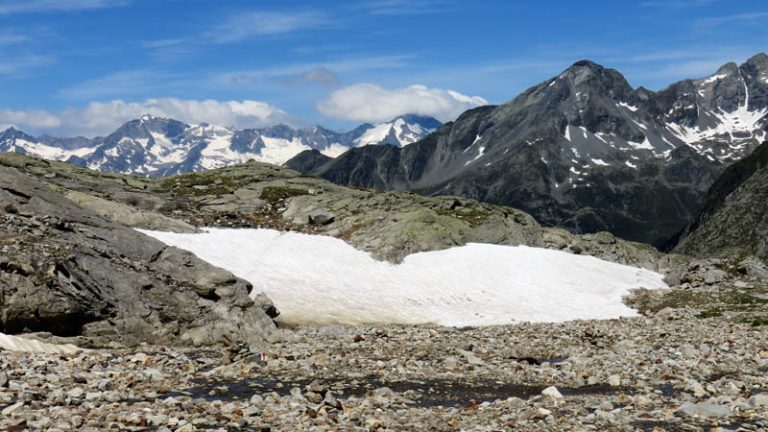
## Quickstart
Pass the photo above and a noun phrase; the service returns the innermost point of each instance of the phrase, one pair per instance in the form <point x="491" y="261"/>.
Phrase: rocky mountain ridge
<point x="160" y="146"/>
<point x="583" y="150"/>
<point x="733" y="221"/>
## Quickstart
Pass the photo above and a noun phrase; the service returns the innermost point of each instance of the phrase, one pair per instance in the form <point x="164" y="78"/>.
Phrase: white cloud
<point x="99" y="118"/>
<point x="8" y="37"/>
<point x="246" y="25"/>
<point x="369" y="102"/>
<point x="292" y="73"/>
<point x="404" y="7"/>
<point x="677" y="3"/>
<point x="744" y="18"/>
<point x="40" y="119"/>
<point x="23" y="63"/>
<point x="21" y="6"/>
<point x="317" y="74"/>
<point x="116" y="84"/>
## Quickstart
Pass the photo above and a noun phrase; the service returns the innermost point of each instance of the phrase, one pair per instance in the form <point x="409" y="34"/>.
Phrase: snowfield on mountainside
<point x="322" y="280"/>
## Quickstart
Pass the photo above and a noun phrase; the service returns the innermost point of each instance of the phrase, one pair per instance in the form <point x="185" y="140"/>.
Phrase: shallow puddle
<point x="425" y="393"/>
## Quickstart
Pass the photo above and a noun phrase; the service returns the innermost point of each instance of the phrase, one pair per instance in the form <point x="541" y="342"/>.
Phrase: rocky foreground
<point x="668" y="372"/>
<point x="71" y="265"/>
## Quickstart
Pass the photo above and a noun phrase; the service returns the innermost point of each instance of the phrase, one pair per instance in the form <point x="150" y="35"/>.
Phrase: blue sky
<point x="84" y="66"/>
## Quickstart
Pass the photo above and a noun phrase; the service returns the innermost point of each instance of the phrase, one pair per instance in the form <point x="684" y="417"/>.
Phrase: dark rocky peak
<point x="588" y="76"/>
<point x="724" y="90"/>
<point x="13" y="134"/>
<point x="143" y="127"/>
<point x="425" y="122"/>
<point x="317" y="136"/>
<point x="279" y="131"/>
<point x="356" y="132"/>
<point x="755" y="74"/>
<point x="758" y="61"/>
<point x="317" y="129"/>
<point x="729" y="68"/>
<point x="131" y="129"/>
<point x="168" y="127"/>
<point x="645" y="94"/>
<point x="307" y="161"/>
<point x="247" y="140"/>
<point x="362" y="128"/>
<point x="587" y="64"/>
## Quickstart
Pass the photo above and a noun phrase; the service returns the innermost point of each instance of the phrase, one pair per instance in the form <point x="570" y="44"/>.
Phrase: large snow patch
<point x="322" y="280"/>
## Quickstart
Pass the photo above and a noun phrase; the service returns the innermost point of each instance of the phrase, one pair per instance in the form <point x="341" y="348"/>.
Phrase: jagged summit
<point x="759" y="61"/>
<point x="728" y="68"/>
<point x="424" y="121"/>
<point x="400" y="131"/>
<point x="13" y="136"/>
<point x="589" y="64"/>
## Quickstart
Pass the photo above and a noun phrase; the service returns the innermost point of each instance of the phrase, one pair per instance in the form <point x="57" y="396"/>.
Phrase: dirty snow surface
<point x="322" y="280"/>
<point x="16" y="343"/>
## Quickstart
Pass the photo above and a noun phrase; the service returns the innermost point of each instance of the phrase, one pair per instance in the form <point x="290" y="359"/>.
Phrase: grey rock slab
<point x="704" y="410"/>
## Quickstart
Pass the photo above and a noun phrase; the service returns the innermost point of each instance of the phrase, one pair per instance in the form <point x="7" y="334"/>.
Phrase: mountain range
<point x="159" y="146"/>
<point x="583" y="150"/>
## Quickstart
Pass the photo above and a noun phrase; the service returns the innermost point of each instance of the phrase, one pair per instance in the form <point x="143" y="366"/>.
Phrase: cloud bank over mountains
<point x="358" y="102"/>
<point x="98" y="118"/>
<point x="372" y="103"/>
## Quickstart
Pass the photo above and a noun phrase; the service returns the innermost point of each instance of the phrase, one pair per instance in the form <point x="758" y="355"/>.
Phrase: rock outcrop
<point x="67" y="270"/>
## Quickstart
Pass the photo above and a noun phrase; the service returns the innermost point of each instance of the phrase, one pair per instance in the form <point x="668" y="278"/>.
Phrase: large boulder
<point x="67" y="270"/>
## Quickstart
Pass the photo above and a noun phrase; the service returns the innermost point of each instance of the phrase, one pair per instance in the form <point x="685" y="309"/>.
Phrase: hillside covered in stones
<point x="734" y="220"/>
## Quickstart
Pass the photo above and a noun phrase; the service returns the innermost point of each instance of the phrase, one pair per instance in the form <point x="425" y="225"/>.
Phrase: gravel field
<point x="669" y="372"/>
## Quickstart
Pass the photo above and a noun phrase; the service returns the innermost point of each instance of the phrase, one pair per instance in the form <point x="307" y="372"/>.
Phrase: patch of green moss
<point x="746" y="299"/>
<point x="349" y="232"/>
<point x="473" y="215"/>
<point x="198" y="184"/>
<point x="759" y="321"/>
<point x="273" y="194"/>
<point x="732" y="270"/>
<point x="710" y="313"/>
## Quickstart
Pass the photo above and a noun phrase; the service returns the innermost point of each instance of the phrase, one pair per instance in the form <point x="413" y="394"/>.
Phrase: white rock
<point x="614" y="380"/>
<point x="704" y="410"/>
<point x="10" y="409"/>
<point x="552" y="392"/>
<point x="759" y="400"/>
<point x="698" y="389"/>
<point x="157" y="420"/>
<point x="93" y="396"/>
<point x="76" y="393"/>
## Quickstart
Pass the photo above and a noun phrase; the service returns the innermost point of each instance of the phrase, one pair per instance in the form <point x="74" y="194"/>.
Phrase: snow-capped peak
<point x="399" y="131"/>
